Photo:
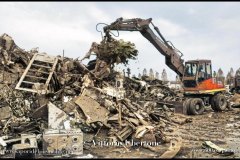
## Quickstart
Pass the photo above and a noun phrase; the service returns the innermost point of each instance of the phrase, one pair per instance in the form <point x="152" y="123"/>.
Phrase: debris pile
<point x="42" y="94"/>
<point x="235" y="100"/>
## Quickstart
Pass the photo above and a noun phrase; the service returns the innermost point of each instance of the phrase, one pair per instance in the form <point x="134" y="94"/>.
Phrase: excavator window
<point x="190" y="69"/>
<point x="209" y="70"/>
<point x="201" y="72"/>
<point x="204" y="71"/>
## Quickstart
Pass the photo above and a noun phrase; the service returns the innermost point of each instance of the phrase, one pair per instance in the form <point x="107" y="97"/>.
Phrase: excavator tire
<point x="237" y="90"/>
<point x="187" y="104"/>
<point x="213" y="103"/>
<point x="220" y="102"/>
<point x="196" y="106"/>
<point x="233" y="91"/>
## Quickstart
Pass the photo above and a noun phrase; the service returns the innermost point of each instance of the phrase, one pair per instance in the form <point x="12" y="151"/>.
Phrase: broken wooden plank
<point x="51" y="73"/>
<point x="25" y="72"/>
<point x="209" y="144"/>
<point x="175" y="146"/>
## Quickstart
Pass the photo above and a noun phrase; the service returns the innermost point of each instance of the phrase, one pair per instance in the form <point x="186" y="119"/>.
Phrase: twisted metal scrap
<point x="15" y="100"/>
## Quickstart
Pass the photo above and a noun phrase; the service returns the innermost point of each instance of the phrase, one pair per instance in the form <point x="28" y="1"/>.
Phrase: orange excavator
<point x="200" y="87"/>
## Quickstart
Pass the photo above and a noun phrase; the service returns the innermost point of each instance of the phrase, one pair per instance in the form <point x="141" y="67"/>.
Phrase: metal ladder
<point x="38" y="72"/>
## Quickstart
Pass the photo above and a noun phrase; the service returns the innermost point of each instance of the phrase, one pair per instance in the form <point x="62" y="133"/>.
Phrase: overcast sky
<point x="200" y="30"/>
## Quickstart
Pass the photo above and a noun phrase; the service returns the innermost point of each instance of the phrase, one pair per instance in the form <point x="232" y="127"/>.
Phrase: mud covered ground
<point x="223" y="129"/>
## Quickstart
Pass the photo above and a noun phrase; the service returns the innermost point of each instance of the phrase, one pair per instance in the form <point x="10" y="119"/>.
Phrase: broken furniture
<point x="125" y="132"/>
<point x="38" y="74"/>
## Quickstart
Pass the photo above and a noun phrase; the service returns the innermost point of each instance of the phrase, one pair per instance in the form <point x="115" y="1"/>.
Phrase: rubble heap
<point x="109" y="106"/>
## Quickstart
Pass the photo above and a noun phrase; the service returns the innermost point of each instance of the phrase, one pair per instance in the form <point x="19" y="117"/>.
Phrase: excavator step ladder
<point x="38" y="74"/>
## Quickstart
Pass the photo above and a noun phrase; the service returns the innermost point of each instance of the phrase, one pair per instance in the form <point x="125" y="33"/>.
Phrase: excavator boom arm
<point x="172" y="58"/>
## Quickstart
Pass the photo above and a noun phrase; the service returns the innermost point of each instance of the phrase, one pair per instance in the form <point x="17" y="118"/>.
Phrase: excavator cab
<point x="197" y="78"/>
<point x="196" y="72"/>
